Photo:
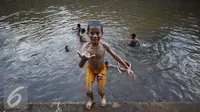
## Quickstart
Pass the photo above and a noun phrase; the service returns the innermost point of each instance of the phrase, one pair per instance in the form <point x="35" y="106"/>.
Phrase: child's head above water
<point x="66" y="48"/>
<point x="83" y="30"/>
<point x="106" y="63"/>
<point x="95" y="31"/>
<point x="133" y="35"/>
<point x="79" y="25"/>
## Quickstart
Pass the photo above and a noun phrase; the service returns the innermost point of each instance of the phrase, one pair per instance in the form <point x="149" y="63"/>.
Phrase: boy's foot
<point x="89" y="104"/>
<point x="103" y="101"/>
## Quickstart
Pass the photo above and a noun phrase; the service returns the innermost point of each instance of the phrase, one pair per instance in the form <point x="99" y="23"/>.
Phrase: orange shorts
<point x="91" y="75"/>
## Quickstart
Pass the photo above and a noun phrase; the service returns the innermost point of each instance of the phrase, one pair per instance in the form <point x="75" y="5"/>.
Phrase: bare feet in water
<point x="89" y="104"/>
<point x="103" y="101"/>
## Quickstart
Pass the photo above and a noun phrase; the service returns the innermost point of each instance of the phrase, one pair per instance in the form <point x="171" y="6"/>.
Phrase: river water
<point x="33" y="34"/>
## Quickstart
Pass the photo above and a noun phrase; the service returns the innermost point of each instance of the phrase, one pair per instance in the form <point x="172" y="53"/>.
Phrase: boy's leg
<point x="89" y="80"/>
<point x="101" y="91"/>
<point x="89" y="93"/>
<point x="101" y="86"/>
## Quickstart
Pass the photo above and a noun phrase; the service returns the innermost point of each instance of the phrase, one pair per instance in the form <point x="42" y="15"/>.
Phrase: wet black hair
<point x="106" y="62"/>
<point x="83" y="30"/>
<point x="66" y="48"/>
<point x="95" y="23"/>
<point x="133" y="35"/>
<point x="78" y="25"/>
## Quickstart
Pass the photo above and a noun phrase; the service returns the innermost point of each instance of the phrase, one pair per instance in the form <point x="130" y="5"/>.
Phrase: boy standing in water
<point x="134" y="41"/>
<point x="93" y="53"/>
<point x="82" y="35"/>
<point x="78" y="28"/>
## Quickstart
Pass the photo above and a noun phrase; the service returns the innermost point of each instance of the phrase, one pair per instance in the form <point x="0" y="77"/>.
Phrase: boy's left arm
<point x="119" y="59"/>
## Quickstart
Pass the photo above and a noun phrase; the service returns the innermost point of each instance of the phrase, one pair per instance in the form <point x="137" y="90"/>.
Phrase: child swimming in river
<point x="92" y="54"/>
<point x="78" y="28"/>
<point x="66" y="48"/>
<point x="120" y="69"/>
<point x="82" y="35"/>
<point x="108" y="65"/>
<point x="134" y="41"/>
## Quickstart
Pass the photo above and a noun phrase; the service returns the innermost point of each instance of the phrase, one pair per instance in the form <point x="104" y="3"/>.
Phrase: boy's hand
<point x="85" y="56"/>
<point x="131" y="73"/>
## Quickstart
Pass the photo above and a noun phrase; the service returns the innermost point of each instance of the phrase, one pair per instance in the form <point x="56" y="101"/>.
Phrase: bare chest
<point x="97" y="51"/>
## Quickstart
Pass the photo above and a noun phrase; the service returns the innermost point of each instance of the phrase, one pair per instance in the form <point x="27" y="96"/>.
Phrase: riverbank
<point x="111" y="107"/>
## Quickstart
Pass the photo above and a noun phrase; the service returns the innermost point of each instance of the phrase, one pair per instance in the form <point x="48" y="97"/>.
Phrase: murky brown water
<point x="33" y="34"/>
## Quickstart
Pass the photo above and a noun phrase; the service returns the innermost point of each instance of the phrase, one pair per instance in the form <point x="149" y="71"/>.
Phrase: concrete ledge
<point x="110" y="107"/>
